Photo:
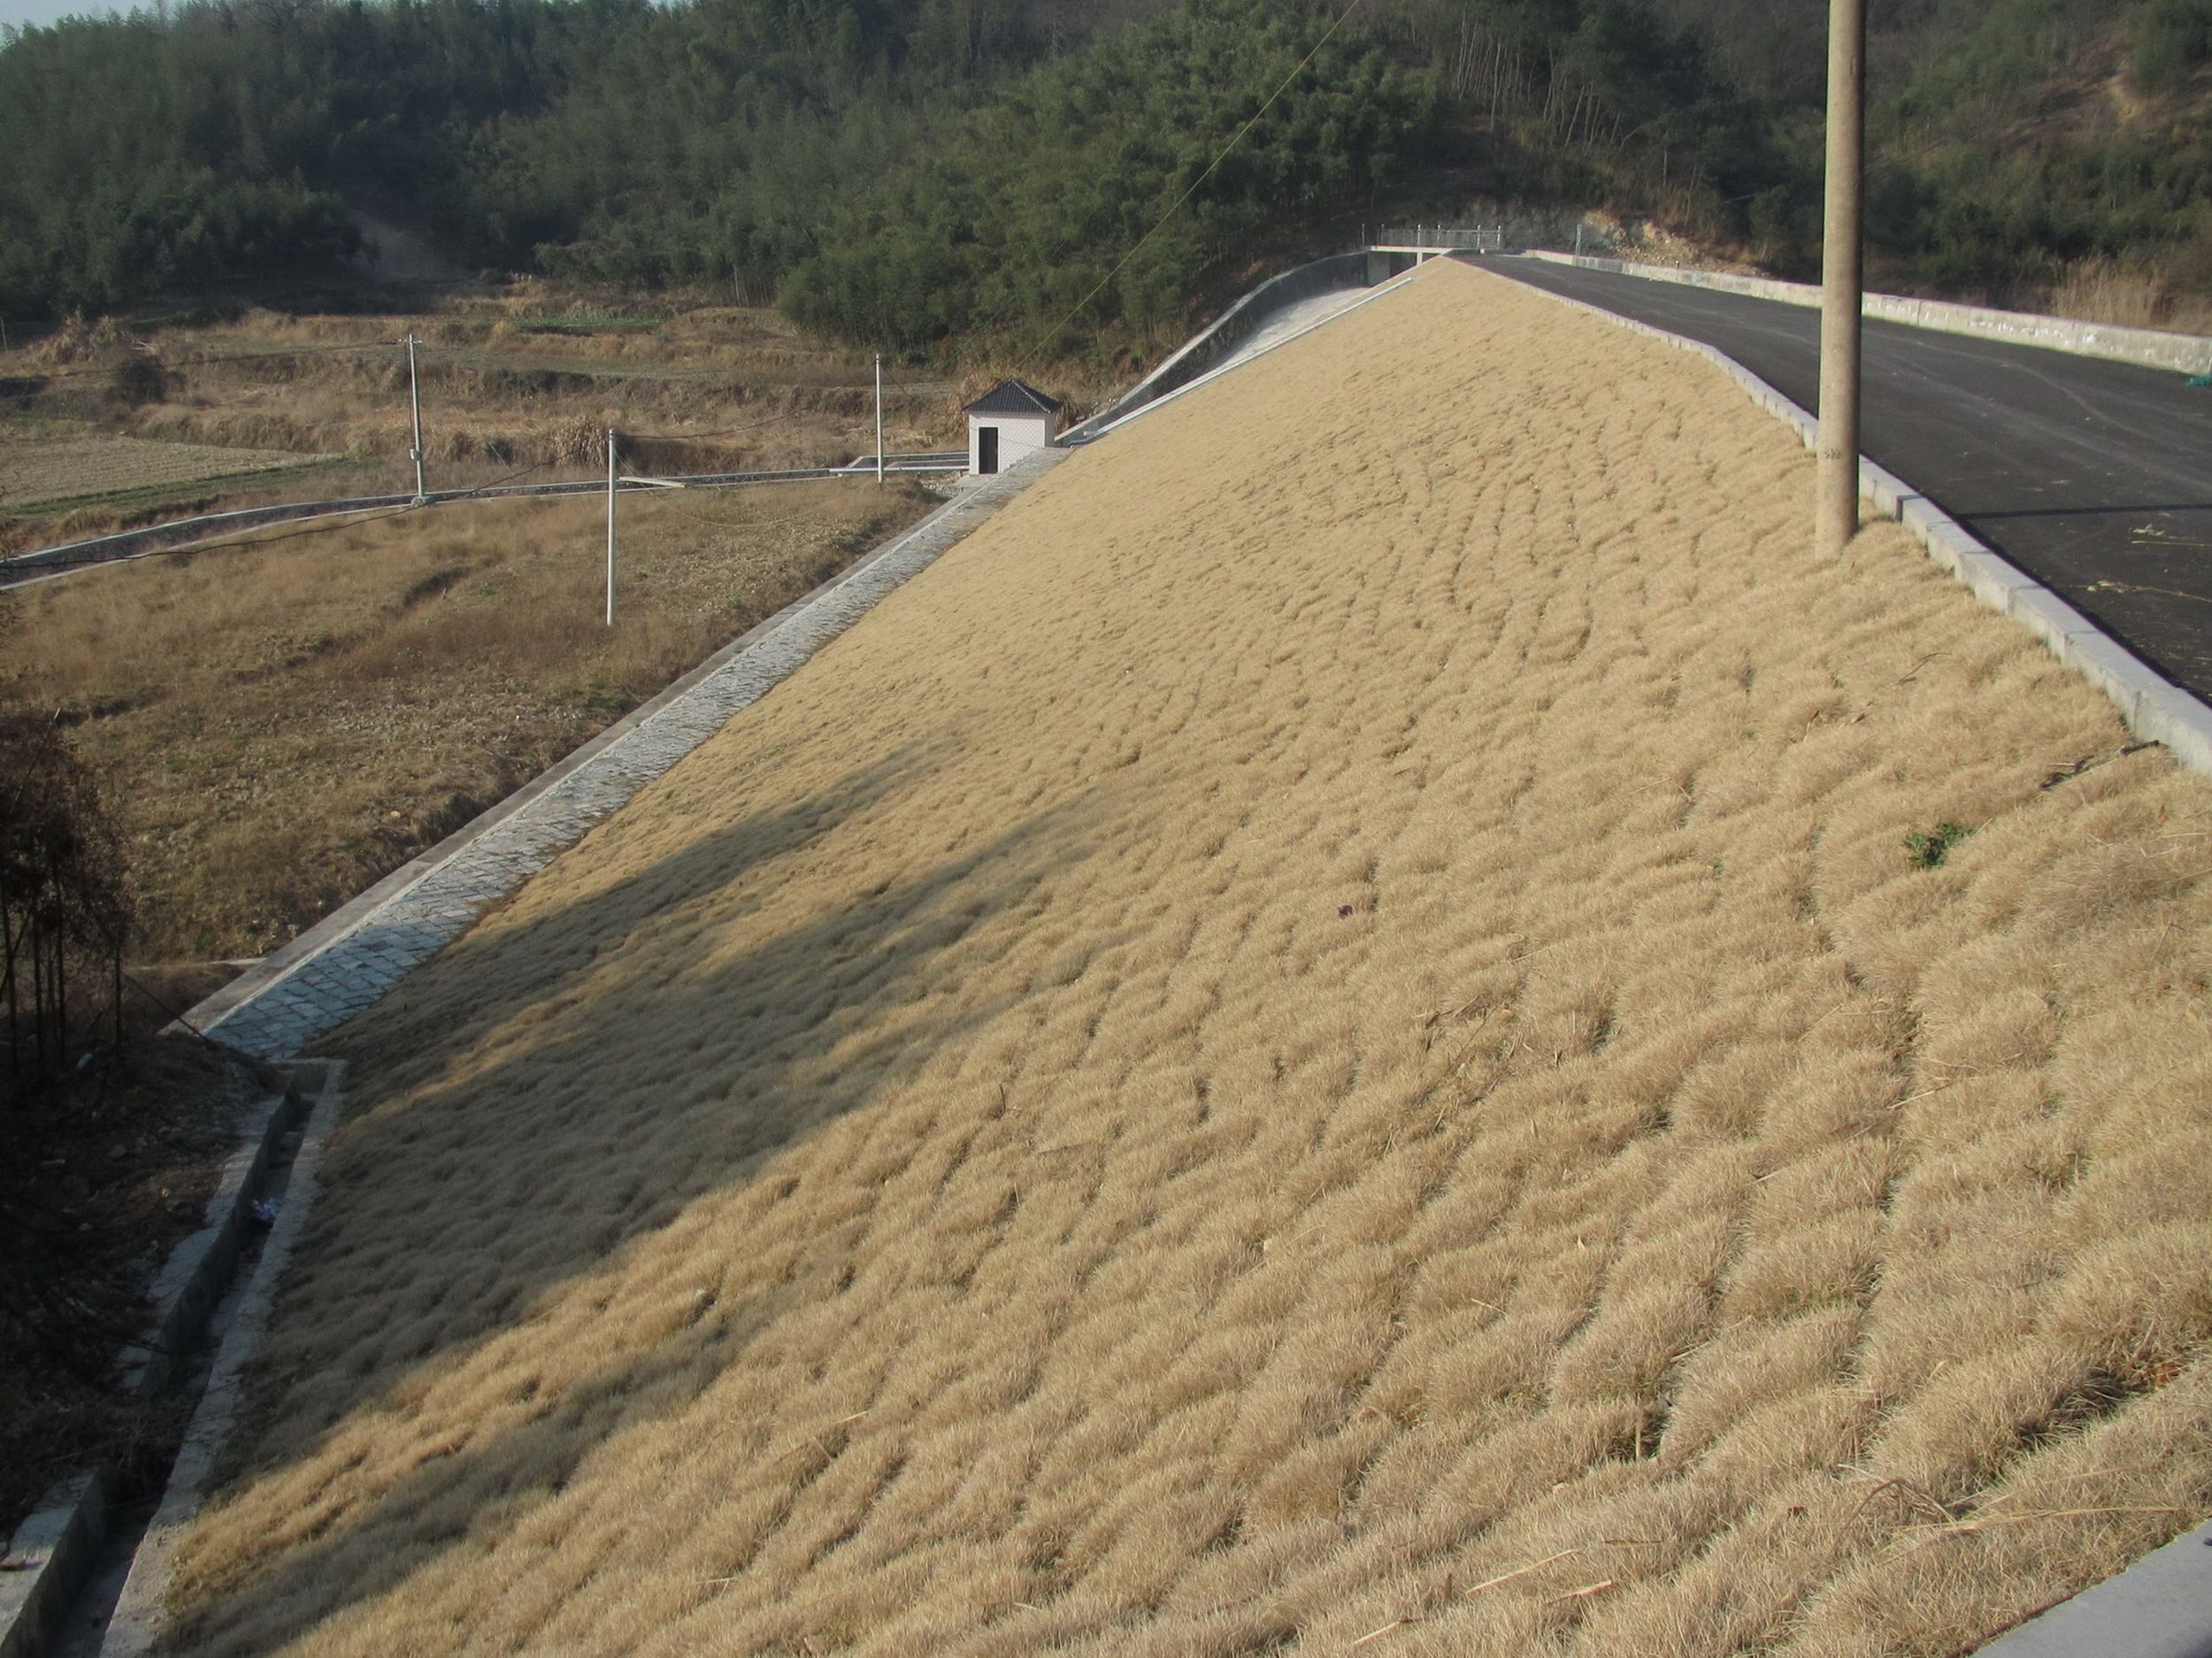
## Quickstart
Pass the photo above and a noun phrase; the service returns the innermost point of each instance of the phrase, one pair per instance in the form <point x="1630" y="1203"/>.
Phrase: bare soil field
<point x="279" y="724"/>
<point x="1332" y="1035"/>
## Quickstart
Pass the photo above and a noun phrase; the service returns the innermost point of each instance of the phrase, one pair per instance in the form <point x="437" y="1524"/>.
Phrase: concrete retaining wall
<point x="2150" y="348"/>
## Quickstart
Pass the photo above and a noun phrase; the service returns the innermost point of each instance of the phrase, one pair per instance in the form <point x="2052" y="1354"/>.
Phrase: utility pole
<point x="1842" y="273"/>
<point x="609" y="527"/>
<point x="414" y="397"/>
<point x="879" y="418"/>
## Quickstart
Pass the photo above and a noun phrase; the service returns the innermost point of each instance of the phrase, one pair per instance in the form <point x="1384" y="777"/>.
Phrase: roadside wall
<point x="2152" y="348"/>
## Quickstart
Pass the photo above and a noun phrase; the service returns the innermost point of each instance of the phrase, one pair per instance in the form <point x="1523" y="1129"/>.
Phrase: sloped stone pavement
<point x="365" y="954"/>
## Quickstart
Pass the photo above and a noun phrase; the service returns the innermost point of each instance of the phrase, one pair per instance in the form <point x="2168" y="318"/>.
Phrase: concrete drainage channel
<point x="90" y="1570"/>
<point x="87" y="1531"/>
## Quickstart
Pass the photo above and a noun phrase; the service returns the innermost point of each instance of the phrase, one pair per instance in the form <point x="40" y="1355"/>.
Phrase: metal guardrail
<point x="1442" y="239"/>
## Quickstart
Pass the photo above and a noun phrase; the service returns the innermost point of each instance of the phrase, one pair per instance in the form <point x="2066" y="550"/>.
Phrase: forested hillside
<point x="898" y="170"/>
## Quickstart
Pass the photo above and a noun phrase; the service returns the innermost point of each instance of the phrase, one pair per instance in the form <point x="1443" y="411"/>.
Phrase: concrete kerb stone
<point x="2154" y="709"/>
<point x="2052" y="619"/>
<point x="2159" y="1607"/>
<point x="2146" y="348"/>
<point x="140" y="1612"/>
<point x="57" y="1545"/>
<point x="355" y="955"/>
<point x="2173" y="716"/>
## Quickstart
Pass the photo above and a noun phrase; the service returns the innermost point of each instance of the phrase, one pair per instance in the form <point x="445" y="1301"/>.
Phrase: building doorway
<point x="987" y="449"/>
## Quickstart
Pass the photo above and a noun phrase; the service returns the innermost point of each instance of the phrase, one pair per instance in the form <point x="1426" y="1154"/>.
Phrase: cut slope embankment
<point x="1325" y="1028"/>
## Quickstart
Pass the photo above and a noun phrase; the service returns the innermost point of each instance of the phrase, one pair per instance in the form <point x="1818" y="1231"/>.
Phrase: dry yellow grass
<point x="280" y="724"/>
<point x="1323" y="1035"/>
<point x="37" y="468"/>
<point x="693" y="388"/>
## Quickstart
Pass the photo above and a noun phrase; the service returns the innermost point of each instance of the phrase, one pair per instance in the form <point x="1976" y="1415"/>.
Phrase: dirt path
<point x="1325" y="1034"/>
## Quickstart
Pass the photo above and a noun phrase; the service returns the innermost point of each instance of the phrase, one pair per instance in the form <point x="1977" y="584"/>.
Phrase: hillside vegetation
<point x="1348" y="1036"/>
<point x="900" y="171"/>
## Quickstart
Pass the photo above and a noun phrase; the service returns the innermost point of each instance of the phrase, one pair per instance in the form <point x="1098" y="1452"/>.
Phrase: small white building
<point x="1010" y="420"/>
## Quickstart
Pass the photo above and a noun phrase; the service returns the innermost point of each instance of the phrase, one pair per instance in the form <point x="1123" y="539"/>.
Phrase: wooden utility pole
<point x="1842" y="273"/>
<point x="609" y="527"/>
<point x="879" y="418"/>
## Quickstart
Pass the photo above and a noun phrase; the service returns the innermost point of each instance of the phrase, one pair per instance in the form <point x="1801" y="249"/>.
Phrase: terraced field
<point x="45" y="468"/>
<point x="1327" y="1038"/>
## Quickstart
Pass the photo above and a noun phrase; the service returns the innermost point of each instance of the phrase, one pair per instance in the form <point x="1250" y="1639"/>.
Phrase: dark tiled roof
<point x="1013" y="398"/>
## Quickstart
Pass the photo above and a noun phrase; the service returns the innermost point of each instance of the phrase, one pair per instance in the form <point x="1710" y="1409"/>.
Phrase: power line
<point x="1343" y="18"/>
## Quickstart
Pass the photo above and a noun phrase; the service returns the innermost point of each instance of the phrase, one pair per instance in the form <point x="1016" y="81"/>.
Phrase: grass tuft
<point x="939" y="1173"/>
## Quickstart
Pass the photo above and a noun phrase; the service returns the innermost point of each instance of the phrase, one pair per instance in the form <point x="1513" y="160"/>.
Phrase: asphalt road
<point x="2095" y="478"/>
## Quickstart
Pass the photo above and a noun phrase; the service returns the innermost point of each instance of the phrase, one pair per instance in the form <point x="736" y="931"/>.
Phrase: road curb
<point x="2154" y="708"/>
<point x="2159" y="1607"/>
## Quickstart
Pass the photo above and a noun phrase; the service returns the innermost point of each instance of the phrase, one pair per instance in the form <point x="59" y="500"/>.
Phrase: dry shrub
<point x="2101" y="289"/>
<point x="579" y="438"/>
<point x="78" y="341"/>
<point x="1323" y="1032"/>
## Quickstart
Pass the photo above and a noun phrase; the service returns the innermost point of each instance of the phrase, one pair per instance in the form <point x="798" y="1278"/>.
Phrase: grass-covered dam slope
<point x="1329" y="1029"/>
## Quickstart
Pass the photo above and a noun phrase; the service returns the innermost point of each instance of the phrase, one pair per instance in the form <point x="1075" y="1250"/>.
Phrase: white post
<point x="878" y="416"/>
<point x="414" y="397"/>
<point x="1577" y="239"/>
<point x="609" y="527"/>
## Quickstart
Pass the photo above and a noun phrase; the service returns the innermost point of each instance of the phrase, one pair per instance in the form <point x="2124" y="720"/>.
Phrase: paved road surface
<point x="2095" y="478"/>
